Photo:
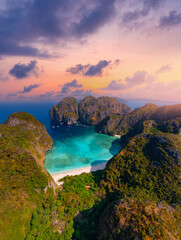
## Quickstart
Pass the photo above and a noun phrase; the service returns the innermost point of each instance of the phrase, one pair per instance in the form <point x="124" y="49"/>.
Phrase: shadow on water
<point x="97" y="162"/>
<point x="115" y="147"/>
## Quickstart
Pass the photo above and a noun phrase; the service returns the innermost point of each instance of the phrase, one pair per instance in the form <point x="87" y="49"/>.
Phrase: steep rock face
<point x="146" y="169"/>
<point x="133" y="219"/>
<point x="166" y="113"/>
<point x="41" y="140"/>
<point x="139" y="114"/>
<point x="122" y="124"/>
<point x="94" y="110"/>
<point x="109" y="124"/>
<point x="171" y="126"/>
<point x="23" y="179"/>
<point x="144" y="162"/>
<point x="168" y="118"/>
<point x="65" y="111"/>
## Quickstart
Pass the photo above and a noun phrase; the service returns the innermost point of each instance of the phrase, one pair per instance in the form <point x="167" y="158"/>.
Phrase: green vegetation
<point x="148" y="162"/>
<point x="70" y="115"/>
<point x="129" y="191"/>
<point x="23" y="118"/>
<point x="78" y="196"/>
<point x="135" y="219"/>
<point x="137" y="196"/>
<point x="65" y="111"/>
<point x="22" y="179"/>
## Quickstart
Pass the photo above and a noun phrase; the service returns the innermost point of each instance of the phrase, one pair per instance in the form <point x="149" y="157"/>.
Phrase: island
<point x="136" y="196"/>
<point x="90" y="110"/>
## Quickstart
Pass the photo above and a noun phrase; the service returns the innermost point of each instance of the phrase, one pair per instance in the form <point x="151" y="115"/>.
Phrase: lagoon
<point x="78" y="146"/>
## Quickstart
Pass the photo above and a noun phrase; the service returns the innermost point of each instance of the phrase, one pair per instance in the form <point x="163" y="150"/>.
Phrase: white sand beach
<point x="60" y="175"/>
<point x="118" y="136"/>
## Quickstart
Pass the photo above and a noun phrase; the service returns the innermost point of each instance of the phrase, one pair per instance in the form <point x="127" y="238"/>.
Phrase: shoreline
<point x="57" y="176"/>
<point x="118" y="136"/>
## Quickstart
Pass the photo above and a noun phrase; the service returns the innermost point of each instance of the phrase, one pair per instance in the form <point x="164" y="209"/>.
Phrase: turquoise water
<point x="79" y="146"/>
<point x="74" y="146"/>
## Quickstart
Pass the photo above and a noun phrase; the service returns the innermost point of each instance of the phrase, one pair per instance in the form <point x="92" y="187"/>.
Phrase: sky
<point x="50" y="49"/>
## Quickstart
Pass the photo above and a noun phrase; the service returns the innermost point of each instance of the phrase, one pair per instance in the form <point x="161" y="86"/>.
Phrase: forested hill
<point x="23" y="179"/>
<point x="137" y="196"/>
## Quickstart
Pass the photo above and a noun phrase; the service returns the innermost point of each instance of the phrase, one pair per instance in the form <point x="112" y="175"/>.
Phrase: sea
<point x="75" y="146"/>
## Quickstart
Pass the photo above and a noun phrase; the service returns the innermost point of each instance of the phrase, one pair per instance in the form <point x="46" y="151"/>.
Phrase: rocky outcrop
<point x="147" y="159"/>
<point x="94" y="110"/>
<point x="65" y="111"/>
<point x="40" y="139"/>
<point x="168" y="119"/>
<point x="137" y="195"/>
<point x="166" y="113"/>
<point x="139" y="114"/>
<point x="171" y="126"/>
<point x="90" y="110"/>
<point x="109" y="124"/>
<point x="23" y="179"/>
<point x="122" y="124"/>
<point x="135" y="219"/>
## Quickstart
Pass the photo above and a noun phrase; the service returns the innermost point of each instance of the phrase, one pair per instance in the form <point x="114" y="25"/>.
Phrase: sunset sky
<point x="50" y="49"/>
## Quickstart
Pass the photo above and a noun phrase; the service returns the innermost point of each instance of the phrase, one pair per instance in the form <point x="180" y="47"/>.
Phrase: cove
<point x="78" y="146"/>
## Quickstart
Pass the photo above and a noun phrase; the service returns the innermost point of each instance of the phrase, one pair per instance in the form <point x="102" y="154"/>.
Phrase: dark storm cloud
<point x="47" y="94"/>
<point x="152" y="4"/>
<point x="73" y="89"/>
<point x="173" y="19"/>
<point x="94" y="19"/>
<point x="135" y="15"/>
<point x="91" y="70"/>
<point x="49" y="21"/>
<point x="11" y="48"/>
<point x="29" y="88"/>
<point x="25" y="90"/>
<point x="96" y="70"/>
<point x="147" y="6"/>
<point x="66" y="88"/>
<point x="78" y="69"/>
<point x="20" y="71"/>
<point x="74" y="84"/>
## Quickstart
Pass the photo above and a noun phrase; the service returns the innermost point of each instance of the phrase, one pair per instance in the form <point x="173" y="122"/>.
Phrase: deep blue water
<point x="74" y="146"/>
<point x="38" y="110"/>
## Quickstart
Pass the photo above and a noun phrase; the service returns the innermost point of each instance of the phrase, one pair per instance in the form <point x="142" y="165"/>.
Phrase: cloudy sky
<point x="50" y="49"/>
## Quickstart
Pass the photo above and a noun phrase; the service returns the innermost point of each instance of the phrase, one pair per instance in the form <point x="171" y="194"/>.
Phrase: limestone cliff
<point x="65" y="111"/>
<point x="172" y="126"/>
<point x="137" y="195"/>
<point x="122" y="124"/>
<point x="94" y="110"/>
<point x="23" y="179"/>
<point x="135" y="219"/>
<point x="168" y="118"/>
<point x="89" y="111"/>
